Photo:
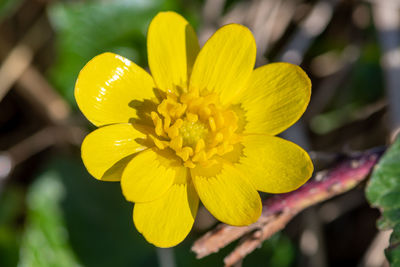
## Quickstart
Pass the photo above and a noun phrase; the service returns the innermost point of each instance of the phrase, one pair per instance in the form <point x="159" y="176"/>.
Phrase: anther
<point x="189" y="164"/>
<point x="160" y="144"/>
<point x="176" y="143"/>
<point x="181" y="110"/>
<point x="205" y="112"/>
<point x="167" y="123"/>
<point x="185" y="153"/>
<point x="158" y="126"/>
<point x="173" y="131"/>
<point x="192" y="117"/>
<point x="200" y="145"/>
<point x="162" y="108"/>
<point x="219" y="120"/>
<point x="211" y="122"/>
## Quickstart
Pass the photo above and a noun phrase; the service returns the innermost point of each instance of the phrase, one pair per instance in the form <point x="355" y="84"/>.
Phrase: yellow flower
<point x="202" y="127"/>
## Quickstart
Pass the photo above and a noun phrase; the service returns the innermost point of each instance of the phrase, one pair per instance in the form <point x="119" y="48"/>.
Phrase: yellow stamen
<point x="213" y="126"/>
<point x="196" y="127"/>
<point x="176" y="143"/>
<point x="200" y="145"/>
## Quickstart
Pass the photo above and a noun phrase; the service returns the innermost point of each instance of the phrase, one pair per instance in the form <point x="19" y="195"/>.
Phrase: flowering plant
<point x="201" y="127"/>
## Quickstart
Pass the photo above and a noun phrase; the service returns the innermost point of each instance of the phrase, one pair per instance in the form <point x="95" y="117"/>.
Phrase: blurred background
<point x="52" y="213"/>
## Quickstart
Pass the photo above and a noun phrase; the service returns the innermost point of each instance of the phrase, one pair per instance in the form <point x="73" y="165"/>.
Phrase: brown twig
<point x="36" y="89"/>
<point x="36" y="143"/>
<point x="21" y="56"/>
<point x="278" y="210"/>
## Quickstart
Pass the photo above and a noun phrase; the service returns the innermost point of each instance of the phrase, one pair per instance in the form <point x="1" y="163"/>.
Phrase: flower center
<point x="197" y="128"/>
<point x="192" y="132"/>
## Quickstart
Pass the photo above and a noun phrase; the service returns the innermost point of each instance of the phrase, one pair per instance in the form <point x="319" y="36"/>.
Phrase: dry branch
<point x="36" y="89"/>
<point x="280" y="209"/>
<point x="21" y="56"/>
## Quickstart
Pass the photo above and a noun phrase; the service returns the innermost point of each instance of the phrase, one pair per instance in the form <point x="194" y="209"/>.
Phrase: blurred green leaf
<point x="366" y="82"/>
<point x="86" y="29"/>
<point x="11" y="210"/>
<point x="76" y="218"/>
<point x="334" y="119"/>
<point x="8" y="6"/>
<point x="364" y="86"/>
<point x="45" y="241"/>
<point x="383" y="191"/>
<point x="99" y="220"/>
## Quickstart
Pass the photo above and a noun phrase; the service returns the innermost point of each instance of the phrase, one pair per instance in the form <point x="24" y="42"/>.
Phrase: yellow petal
<point x="147" y="177"/>
<point x="225" y="62"/>
<point x="275" y="165"/>
<point x="108" y="86"/>
<point x="172" y="47"/>
<point x="107" y="150"/>
<point x="166" y="221"/>
<point x="275" y="97"/>
<point x="227" y="195"/>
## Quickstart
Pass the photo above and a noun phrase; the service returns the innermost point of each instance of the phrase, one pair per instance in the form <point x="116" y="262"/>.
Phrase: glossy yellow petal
<point x="274" y="165"/>
<point x="275" y="97"/>
<point x="108" y="86"/>
<point x="172" y="47"/>
<point x="228" y="195"/>
<point x="166" y="221"/>
<point x="225" y="62"/>
<point x="148" y="176"/>
<point x="107" y="150"/>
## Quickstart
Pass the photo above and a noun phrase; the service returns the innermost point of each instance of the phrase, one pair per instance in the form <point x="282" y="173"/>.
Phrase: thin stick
<point x="37" y="90"/>
<point x="275" y="225"/>
<point x="20" y="57"/>
<point x="39" y="141"/>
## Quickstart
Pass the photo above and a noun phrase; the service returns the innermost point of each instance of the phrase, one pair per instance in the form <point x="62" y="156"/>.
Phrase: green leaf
<point x="383" y="192"/>
<point x="45" y="240"/>
<point x="7" y="7"/>
<point x="11" y="209"/>
<point x="99" y="220"/>
<point x="76" y="220"/>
